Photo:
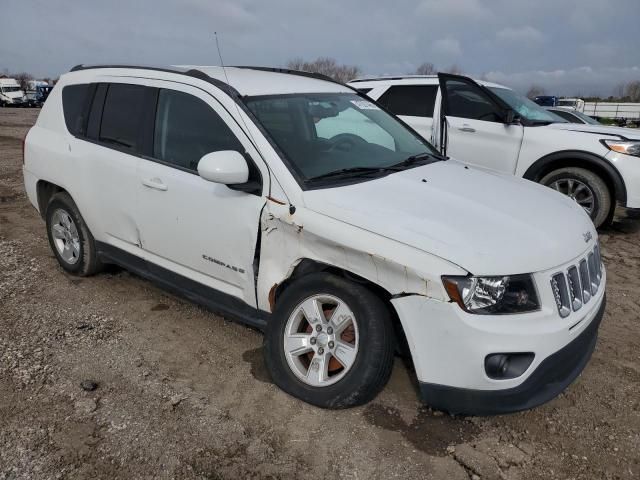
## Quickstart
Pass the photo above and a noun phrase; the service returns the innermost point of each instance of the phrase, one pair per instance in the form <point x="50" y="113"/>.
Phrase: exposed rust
<point x="275" y="200"/>
<point x="272" y="296"/>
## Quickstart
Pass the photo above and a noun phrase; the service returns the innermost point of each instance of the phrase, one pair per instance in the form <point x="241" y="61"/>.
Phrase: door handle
<point x="467" y="128"/>
<point x="154" y="183"/>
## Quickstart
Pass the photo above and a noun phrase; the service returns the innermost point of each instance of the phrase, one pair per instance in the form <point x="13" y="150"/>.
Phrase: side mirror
<point x="227" y="167"/>
<point x="511" y="117"/>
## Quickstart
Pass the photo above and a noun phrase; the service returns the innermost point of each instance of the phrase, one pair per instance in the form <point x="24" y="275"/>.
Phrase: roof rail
<point x="203" y="76"/>
<point x="194" y="73"/>
<point x="396" y="77"/>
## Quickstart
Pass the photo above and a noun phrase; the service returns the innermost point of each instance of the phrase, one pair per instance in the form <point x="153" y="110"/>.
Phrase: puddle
<point x="160" y="307"/>
<point x="428" y="432"/>
<point x="258" y="368"/>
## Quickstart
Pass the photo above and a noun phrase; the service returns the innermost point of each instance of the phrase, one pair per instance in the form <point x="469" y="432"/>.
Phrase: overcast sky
<point x="567" y="46"/>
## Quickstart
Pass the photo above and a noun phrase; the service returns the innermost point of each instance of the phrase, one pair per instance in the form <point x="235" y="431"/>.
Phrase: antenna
<point x="224" y="70"/>
<point x="246" y="127"/>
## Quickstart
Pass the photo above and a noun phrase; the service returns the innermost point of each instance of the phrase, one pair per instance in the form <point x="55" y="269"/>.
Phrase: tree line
<point x="623" y="92"/>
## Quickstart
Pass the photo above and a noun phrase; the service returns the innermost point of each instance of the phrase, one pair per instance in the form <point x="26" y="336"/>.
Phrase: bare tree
<point x="632" y="91"/>
<point x="534" y="91"/>
<point x="454" y="70"/>
<point x="426" y="68"/>
<point x="618" y="90"/>
<point x="23" y="79"/>
<point x="326" y="66"/>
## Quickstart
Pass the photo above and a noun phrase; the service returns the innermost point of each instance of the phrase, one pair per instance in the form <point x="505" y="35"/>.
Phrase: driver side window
<point x="468" y="101"/>
<point x="351" y="121"/>
<point x="187" y="129"/>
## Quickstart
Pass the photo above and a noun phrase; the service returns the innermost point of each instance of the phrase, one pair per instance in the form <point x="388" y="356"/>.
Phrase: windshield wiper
<point x="353" y="172"/>
<point x="418" y="158"/>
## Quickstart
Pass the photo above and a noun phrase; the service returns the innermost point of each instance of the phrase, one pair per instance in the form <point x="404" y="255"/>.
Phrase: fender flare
<point x="579" y="158"/>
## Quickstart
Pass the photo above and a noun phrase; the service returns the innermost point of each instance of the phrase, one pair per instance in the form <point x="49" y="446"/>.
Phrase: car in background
<point x="546" y="100"/>
<point x="573" y="103"/>
<point x="11" y="94"/>
<point x="493" y="127"/>
<point x="573" y="116"/>
<point x="38" y="95"/>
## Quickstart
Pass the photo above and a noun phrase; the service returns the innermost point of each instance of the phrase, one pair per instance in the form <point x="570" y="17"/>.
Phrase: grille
<point x="573" y="289"/>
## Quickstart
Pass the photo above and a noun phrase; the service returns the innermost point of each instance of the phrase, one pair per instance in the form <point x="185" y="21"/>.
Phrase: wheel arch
<point x="578" y="158"/>
<point x="45" y="190"/>
<point x="308" y="266"/>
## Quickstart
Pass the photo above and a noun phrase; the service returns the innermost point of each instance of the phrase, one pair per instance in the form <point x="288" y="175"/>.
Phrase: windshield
<point x="329" y="132"/>
<point x="526" y="108"/>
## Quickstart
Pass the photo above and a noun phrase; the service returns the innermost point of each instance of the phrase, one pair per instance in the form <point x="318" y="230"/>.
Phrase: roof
<point x="250" y="81"/>
<point x="407" y="80"/>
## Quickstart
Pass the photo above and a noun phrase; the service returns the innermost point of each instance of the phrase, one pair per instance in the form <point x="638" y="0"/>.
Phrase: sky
<point x="568" y="47"/>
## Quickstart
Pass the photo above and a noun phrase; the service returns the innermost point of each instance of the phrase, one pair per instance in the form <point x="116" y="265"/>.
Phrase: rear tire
<point x="585" y="187"/>
<point x="362" y="342"/>
<point x="69" y="237"/>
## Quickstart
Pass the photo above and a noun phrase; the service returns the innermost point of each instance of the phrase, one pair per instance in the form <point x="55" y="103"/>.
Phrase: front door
<point x="199" y="229"/>
<point x="472" y="126"/>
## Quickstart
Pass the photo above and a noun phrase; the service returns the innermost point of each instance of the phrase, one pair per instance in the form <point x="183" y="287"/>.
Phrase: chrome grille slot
<point x="575" y="290"/>
<point x="585" y="281"/>
<point x="593" y="274"/>
<point x="561" y="294"/>
<point x="596" y="252"/>
<point x="579" y="285"/>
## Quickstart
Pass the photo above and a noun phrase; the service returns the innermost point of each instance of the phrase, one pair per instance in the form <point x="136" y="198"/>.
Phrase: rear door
<point x="412" y="103"/>
<point x="108" y="160"/>
<point x="201" y="230"/>
<point x="472" y="127"/>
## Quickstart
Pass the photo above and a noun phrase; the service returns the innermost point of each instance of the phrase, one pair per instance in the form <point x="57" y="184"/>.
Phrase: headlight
<point x="623" y="146"/>
<point x="493" y="295"/>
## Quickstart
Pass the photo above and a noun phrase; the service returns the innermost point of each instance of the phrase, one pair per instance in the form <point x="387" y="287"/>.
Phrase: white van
<point x="11" y="95"/>
<point x="292" y="203"/>
<point x="493" y="127"/>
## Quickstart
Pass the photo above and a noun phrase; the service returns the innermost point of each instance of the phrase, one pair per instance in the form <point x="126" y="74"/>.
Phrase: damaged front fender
<point x="288" y="238"/>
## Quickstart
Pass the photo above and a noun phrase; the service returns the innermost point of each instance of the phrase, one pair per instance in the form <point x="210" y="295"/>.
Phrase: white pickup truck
<point x="492" y="126"/>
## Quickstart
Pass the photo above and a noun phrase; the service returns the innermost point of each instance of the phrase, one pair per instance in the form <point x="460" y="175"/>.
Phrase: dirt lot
<point x="182" y="393"/>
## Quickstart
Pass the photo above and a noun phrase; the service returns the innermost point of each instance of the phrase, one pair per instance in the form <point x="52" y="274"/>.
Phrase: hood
<point x="14" y="95"/>
<point x="486" y="223"/>
<point x="631" y="133"/>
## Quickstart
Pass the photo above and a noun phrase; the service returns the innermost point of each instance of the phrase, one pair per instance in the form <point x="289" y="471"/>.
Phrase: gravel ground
<point x="173" y="391"/>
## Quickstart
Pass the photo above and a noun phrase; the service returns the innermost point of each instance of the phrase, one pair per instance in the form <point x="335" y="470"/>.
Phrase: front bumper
<point x="547" y="381"/>
<point x="629" y="168"/>
<point x="449" y="348"/>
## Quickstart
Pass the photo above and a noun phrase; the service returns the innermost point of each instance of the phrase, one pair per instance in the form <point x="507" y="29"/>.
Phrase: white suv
<point x="295" y="205"/>
<point x="492" y="126"/>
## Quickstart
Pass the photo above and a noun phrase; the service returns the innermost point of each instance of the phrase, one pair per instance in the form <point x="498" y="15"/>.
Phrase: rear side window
<point x="74" y="105"/>
<point x="122" y="115"/>
<point x="187" y="129"/>
<point x="412" y="100"/>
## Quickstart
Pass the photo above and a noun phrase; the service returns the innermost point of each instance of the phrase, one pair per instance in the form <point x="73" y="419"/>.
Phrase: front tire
<point x="329" y="342"/>
<point x="69" y="237"/>
<point x="585" y="187"/>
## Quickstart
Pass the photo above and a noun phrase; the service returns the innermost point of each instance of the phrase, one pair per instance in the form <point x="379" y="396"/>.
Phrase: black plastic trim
<point x="548" y="380"/>
<point x="540" y="167"/>
<point x="214" y="300"/>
